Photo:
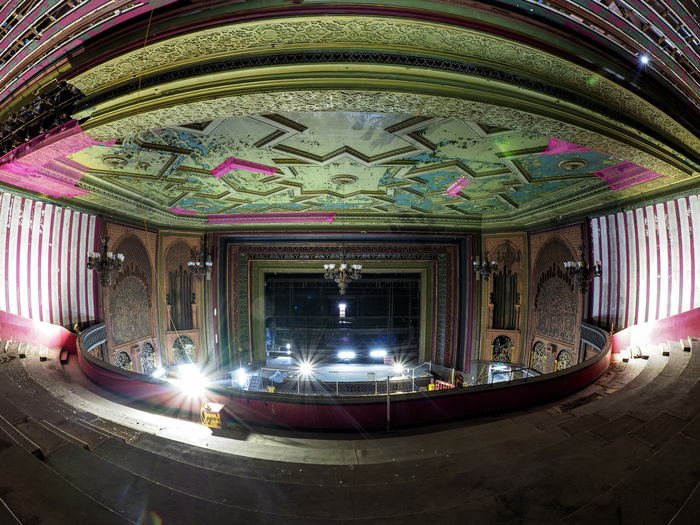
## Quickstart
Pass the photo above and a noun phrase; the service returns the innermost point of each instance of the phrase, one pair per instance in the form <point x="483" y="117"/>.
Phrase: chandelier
<point x="484" y="267"/>
<point x="105" y="263"/>
<point x="200" y="267"/>
<point x="581" y="273"/>
<point x="342" y="274"/>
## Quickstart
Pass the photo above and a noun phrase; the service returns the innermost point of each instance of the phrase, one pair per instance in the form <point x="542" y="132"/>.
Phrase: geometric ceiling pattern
<point x="339" y="161"/>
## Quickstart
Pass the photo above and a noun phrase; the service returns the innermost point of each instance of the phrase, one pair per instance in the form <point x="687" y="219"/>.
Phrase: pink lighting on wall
<point x="271" y="217"/>
<point x="234" y="163"/>
<point x="453" y="191"/>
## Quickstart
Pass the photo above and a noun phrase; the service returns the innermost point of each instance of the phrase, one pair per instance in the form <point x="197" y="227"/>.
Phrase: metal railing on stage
<point x="339" y="382"/>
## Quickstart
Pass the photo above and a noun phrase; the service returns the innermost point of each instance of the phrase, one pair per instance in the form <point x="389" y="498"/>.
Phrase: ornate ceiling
<point x="377" y="163"/>
<point x="370" y="116"/>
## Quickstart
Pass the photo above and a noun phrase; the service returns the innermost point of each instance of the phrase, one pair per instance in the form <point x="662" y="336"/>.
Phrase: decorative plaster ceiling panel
<point x="383" y="163"/>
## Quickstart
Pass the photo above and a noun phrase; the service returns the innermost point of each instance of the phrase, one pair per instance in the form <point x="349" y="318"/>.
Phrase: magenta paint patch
<point x="625" y="175"/>
<point x="557" y="147"/>
<point x="234" y="163"/>
<point x="64" y="140"/>
<point x="271" y="217"/>
<point x="31" y="180"/>
<point x="453" y="191"/>
<point x="183" y="211"/>
<point x="43" y="167"/>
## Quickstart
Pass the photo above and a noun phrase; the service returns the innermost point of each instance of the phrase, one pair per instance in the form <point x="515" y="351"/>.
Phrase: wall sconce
<point x="484" y="268"/>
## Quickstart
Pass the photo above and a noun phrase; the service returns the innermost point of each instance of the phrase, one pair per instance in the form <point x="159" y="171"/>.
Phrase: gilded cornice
<point x="342" y="32"/>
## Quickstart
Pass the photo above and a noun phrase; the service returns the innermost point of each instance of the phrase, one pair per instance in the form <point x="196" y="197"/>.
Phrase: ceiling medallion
<point x="344" y="180"/>
<point x="114" y="161"/>
<point x="573" y="164"/>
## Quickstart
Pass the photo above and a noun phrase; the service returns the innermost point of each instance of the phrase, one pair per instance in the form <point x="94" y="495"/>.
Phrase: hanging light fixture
<point x="485" y="268"/>
<point x="342" y="274"/>
<point x="199" y="267"/>
<point x="105" y="263"/>
<point x="581" y="273"/>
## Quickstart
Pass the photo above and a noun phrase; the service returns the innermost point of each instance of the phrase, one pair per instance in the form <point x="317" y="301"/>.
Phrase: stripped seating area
<point x="625" y="449"/>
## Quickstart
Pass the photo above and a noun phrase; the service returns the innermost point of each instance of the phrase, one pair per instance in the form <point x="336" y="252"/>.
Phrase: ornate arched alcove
<point x="128" y="302"/>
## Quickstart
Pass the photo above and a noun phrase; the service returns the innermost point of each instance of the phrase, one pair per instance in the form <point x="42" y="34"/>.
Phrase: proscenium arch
<point x="428" y="295"/>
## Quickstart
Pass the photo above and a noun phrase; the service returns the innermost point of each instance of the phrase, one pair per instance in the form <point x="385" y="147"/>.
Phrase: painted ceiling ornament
<point x="344" y="180"/>
<point x="573" y="164"/>
<point x="114" y="161"/>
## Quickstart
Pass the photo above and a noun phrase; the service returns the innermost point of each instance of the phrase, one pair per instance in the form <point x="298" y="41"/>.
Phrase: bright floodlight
<point x="645" y="59"/>
<point x="160" y="372"/>
<point x="288" y="346"/>
<point x="398" y="369"/>
<point x="191" y="382"/>
<point x="377" y="353"/>
<point x="305" y="369"/>
<point x="241" y="377"/>
<point x="346" y="355"/>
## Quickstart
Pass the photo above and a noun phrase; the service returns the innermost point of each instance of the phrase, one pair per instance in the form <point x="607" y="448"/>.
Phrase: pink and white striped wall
<point x="42" y="263"/>
<point x="650" y="262"/>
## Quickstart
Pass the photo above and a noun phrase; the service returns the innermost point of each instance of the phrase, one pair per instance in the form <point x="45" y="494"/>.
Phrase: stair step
<point x="43" y="353"/>
<point x="8" y="517"/>
<point x="626" y="354"/>
<point x="106" y="481"/>
<point x="674" y="346"/>
<point x="12" y="347"/>
<point x="64" y="434"/>
<point x="665" y="350"/>
<point x="46" y="439"/>
<point x="4" y="343"/>
<point x="9" y="411"/>
<point x="685" y="343"/>
<point x="22" y="350"/>
<point x="19" y="438"/>
<point x="114" y="430"/>
<point x="672" y="486"/>
<point x="82" y="432"/>
<point x="39" y="495"/>
<point x="646" y="350"/>
<point x="64" y="355"/>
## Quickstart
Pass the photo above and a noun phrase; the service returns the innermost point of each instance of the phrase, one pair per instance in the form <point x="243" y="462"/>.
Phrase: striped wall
<point x="650" y="261"/>
<point x="42" y="261"/>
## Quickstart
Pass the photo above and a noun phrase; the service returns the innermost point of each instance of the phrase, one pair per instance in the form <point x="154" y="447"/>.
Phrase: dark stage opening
<point x="376" y="320"/>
